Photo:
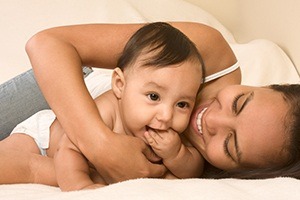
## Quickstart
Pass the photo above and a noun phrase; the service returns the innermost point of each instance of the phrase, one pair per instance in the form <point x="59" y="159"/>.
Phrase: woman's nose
<point x="217" y="121"/>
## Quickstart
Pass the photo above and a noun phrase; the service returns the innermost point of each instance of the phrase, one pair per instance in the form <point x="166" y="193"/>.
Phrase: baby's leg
<point x="21" y="162"/>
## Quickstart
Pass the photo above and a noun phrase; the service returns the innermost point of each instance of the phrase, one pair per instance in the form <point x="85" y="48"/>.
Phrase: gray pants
<point x="20" y="98"/>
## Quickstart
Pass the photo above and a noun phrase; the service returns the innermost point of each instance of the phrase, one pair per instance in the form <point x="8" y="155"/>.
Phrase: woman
<point x="234" y="127"/>
<point x="87" y="45"/>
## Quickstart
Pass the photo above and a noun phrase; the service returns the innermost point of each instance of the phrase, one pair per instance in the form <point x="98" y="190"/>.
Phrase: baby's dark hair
<point x="290" y="168"/>
<point x="168" y="45"/>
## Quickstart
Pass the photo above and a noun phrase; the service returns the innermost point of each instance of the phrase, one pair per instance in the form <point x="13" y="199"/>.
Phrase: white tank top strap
<point x="222" y="73"/>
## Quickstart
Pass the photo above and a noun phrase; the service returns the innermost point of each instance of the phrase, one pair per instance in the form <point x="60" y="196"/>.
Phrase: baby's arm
<point x="183" y="161"/>
<point x="72" y="168"/>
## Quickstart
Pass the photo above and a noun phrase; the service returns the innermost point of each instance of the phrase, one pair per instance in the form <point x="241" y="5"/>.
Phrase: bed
<point x="262" y="62"/>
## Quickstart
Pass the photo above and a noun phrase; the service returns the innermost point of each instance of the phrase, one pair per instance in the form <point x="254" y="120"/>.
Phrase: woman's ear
<point x="118" y="82"/>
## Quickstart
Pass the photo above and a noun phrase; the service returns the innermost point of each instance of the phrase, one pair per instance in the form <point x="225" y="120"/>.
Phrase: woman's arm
<point x="216" y="54"/>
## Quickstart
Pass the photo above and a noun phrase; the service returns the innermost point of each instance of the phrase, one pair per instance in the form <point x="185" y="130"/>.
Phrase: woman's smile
<point x="196" y="125"/>
<point x="199" y="121"/>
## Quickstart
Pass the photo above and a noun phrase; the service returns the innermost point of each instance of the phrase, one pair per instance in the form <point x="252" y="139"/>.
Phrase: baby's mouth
<point x="148" y="128"/>
<point x="199" y="120"/>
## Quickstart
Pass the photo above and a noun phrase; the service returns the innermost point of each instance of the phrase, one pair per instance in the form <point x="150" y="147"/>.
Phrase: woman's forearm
<point x="58" y="71"/>
<point x="57" y="67"/>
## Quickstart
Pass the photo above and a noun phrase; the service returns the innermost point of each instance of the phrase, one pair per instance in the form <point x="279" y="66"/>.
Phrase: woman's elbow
<point x="36" y="42"/>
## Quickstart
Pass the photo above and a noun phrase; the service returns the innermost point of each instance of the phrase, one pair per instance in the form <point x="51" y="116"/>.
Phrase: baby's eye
<point x="153" y="96"/>
<point x="183" y="105"/>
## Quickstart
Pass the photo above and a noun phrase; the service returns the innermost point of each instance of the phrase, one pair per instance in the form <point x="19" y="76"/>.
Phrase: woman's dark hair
<point x="291" y="168"/>
<point x="168" y="45"/>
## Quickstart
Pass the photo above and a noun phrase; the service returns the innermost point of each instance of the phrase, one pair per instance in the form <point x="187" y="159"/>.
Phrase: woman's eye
<point x="182" y="104"/>
<point x="153" y="97"/>
<point x="235" y="103"/>
<point x="226" y="148"/>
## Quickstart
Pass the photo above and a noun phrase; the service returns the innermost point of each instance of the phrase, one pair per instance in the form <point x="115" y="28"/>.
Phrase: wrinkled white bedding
<point x="262" y="62"/>
<point x="159" y="189"/>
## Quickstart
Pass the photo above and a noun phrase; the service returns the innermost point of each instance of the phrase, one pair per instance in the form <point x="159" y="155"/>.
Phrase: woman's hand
<point x="125" y="157"/>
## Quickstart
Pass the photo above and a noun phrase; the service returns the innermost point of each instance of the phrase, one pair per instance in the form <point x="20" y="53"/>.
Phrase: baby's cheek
<point x="181" y="124"/>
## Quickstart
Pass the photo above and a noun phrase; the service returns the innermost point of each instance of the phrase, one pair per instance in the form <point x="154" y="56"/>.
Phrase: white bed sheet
<point x="159" y="189"/>
<point x="262" y="62"/>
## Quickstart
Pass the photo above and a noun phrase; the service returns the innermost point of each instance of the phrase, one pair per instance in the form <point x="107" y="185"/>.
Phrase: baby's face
<point x="159" y="98"/>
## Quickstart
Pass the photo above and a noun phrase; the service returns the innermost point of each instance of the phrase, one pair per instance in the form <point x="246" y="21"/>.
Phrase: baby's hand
<point x="166" y="144"/>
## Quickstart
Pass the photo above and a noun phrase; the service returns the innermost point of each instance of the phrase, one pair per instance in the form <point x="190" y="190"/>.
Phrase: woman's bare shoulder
<point x="214" y="49"/>
<point x="196" y="31"/>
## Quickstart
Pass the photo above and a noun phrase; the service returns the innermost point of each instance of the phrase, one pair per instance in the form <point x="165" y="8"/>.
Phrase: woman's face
<point x="242" y="126"/>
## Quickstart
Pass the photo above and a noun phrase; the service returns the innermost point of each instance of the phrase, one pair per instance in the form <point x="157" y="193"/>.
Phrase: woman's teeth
<point x="199" y="121"/>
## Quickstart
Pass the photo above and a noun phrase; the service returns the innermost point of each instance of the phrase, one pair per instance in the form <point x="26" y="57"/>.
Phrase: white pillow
<point x="263" y="62"/>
